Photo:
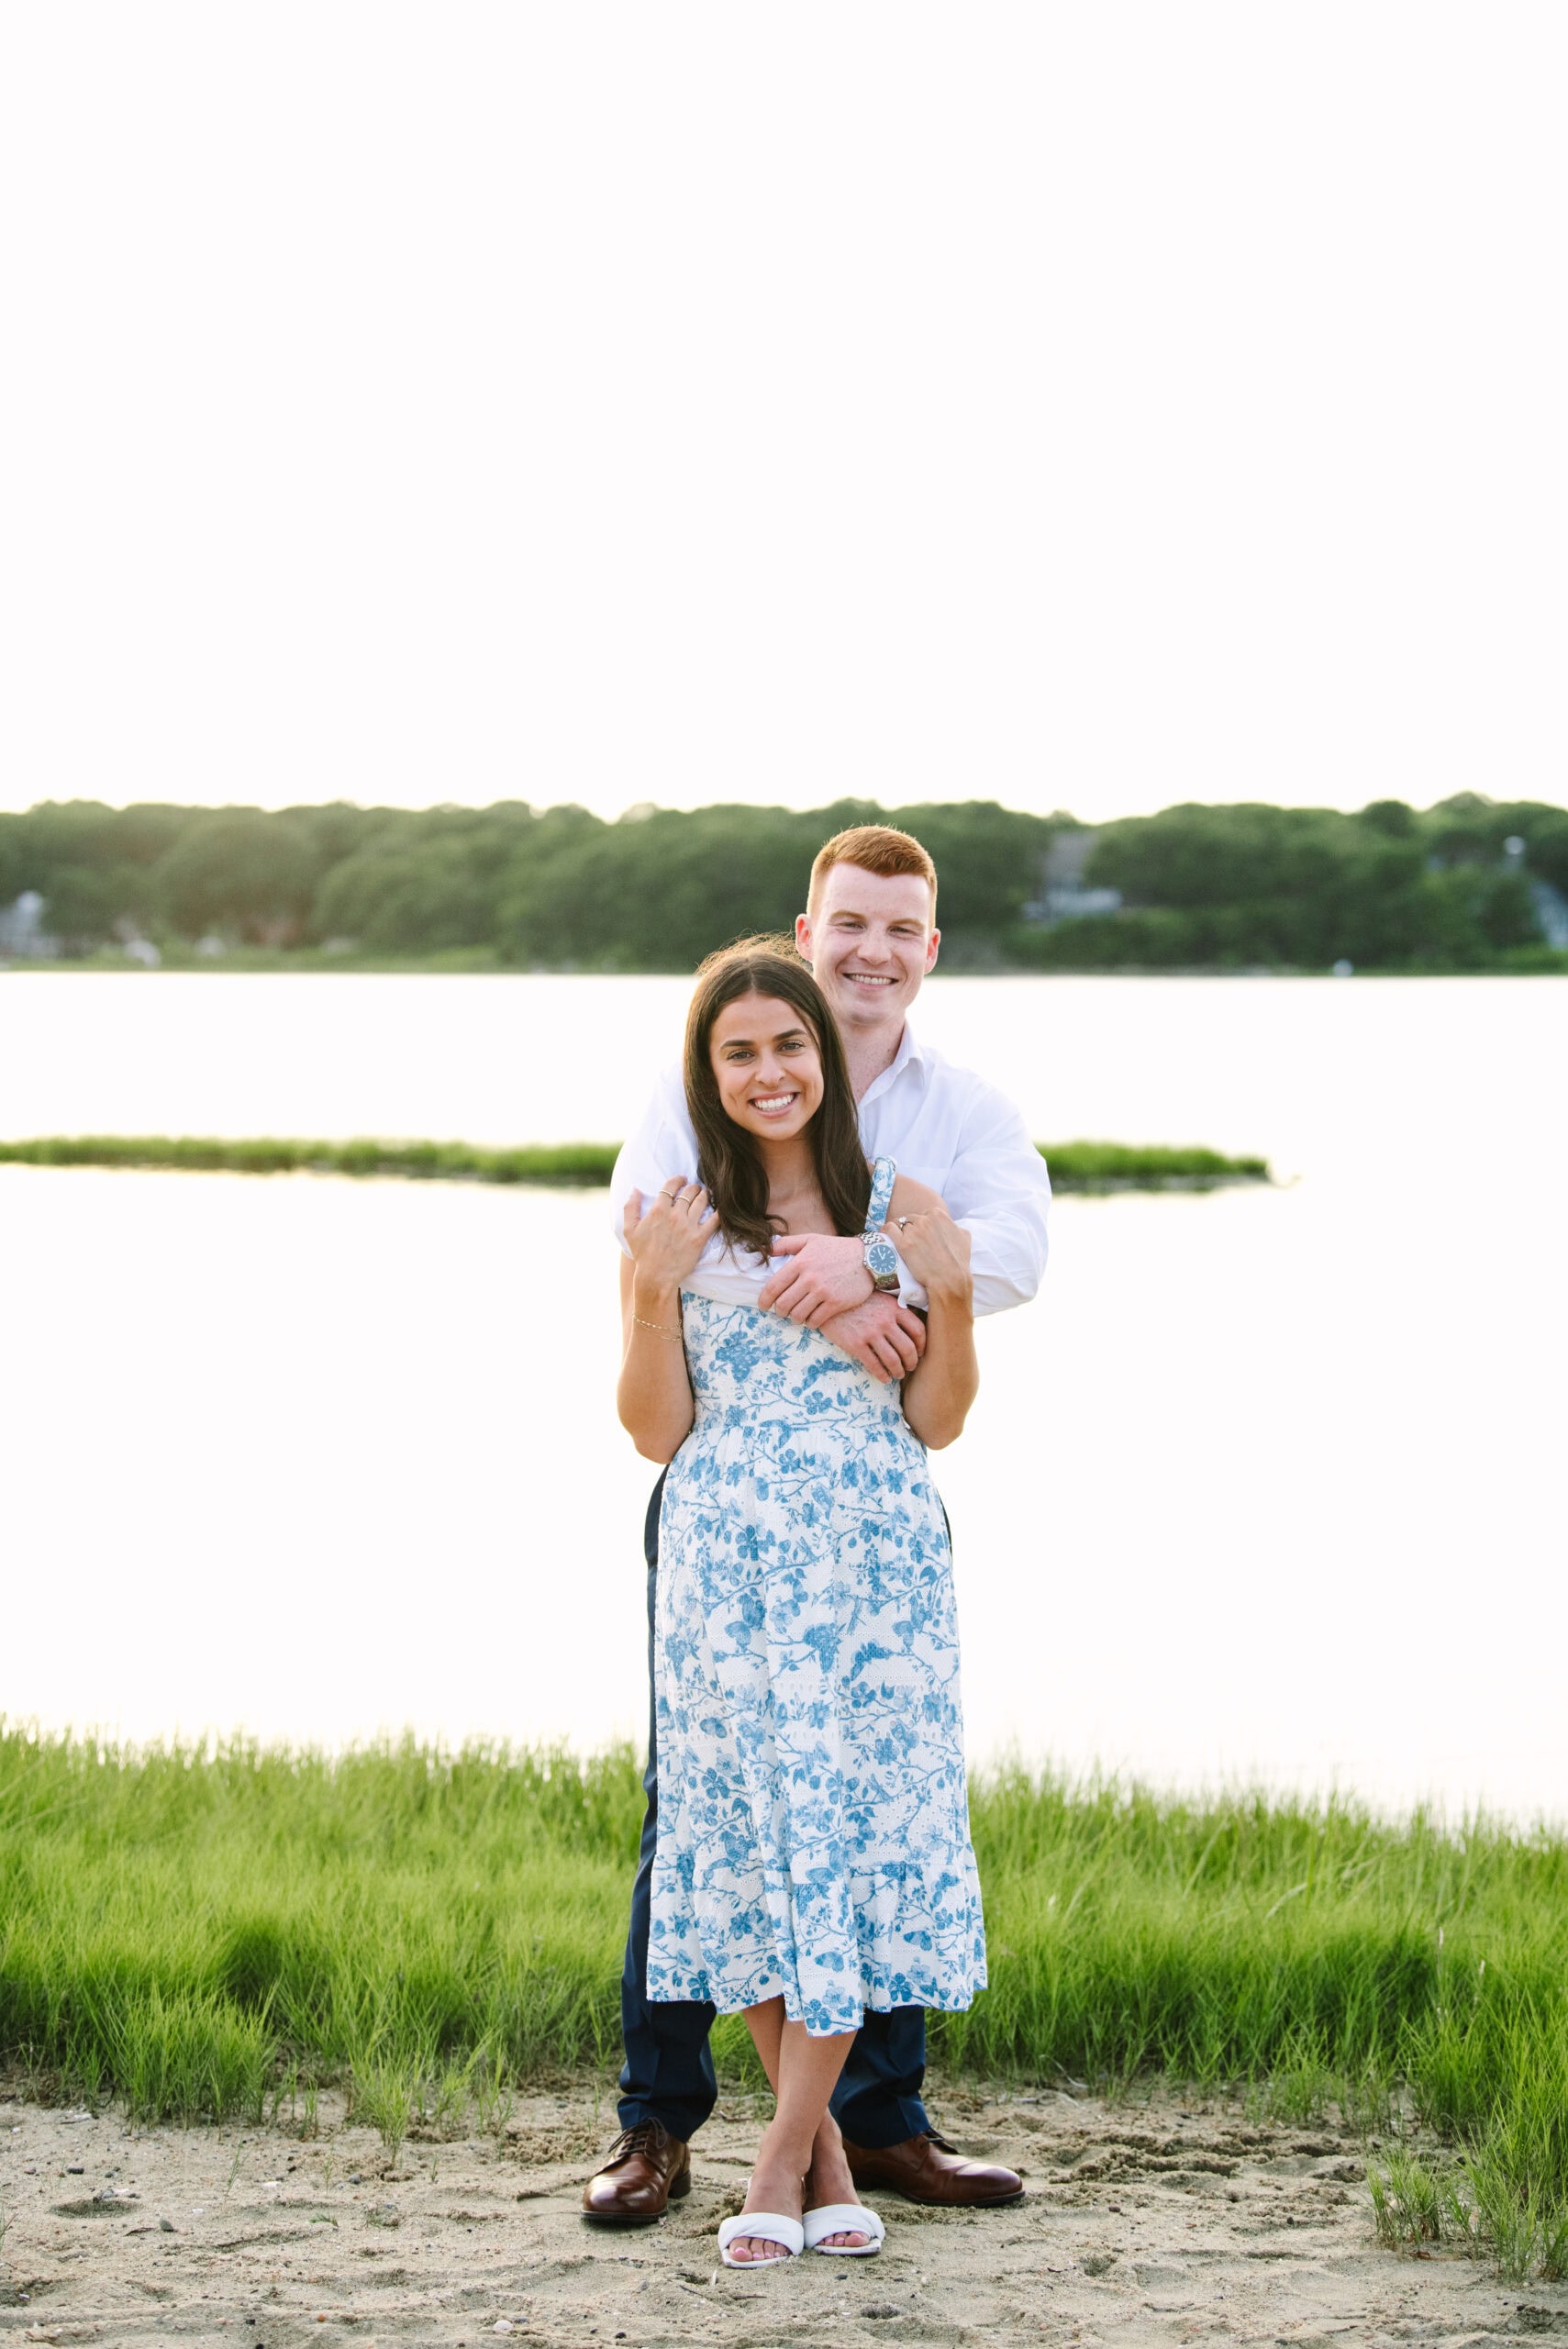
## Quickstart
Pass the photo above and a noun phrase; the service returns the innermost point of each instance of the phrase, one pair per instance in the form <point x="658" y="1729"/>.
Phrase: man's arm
<point x="663" y="1145"/>
<point x="815" y="1277"/>
<point x="996" y="1185"/>
<point x="998" y="1188"/>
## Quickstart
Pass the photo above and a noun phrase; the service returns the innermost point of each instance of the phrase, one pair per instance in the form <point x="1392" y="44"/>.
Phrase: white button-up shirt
<point x="942" y="1124"/>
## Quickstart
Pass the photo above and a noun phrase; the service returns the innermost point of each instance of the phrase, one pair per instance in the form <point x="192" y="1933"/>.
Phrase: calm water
<point x="1263" y="1484"/>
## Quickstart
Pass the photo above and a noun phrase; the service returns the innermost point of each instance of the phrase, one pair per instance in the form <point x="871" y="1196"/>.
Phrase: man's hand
<point x="883" y="1336"/>
<point x="821" y="1277"/>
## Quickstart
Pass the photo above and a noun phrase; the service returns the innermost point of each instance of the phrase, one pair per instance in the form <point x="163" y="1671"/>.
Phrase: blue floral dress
<point x="813" y="1818"/>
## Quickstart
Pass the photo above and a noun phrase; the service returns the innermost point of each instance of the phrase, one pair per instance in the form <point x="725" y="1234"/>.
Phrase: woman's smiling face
<point x="766" y="1066"/>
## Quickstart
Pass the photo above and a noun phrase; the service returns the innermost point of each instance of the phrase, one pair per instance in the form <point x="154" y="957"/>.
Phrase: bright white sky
<point x="1083" y="405"/>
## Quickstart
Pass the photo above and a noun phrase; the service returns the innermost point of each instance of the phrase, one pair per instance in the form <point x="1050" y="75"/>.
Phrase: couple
<point x="799" y="1312"/>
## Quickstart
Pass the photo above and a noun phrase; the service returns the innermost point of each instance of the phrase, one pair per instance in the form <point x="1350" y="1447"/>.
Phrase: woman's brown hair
<point x="729" y="1160"/>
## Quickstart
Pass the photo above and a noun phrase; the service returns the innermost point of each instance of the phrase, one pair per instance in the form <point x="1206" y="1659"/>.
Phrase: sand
<point x="1143" y="2221"/>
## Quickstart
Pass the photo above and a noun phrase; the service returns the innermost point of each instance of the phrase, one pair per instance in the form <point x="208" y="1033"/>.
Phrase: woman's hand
<point x="937" y="1251"/>
<point x="668" y="1236"/>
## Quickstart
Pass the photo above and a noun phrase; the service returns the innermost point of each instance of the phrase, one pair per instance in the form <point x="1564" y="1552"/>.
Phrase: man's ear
<point x="932" y="943"/>
<point x="802" y="937"/>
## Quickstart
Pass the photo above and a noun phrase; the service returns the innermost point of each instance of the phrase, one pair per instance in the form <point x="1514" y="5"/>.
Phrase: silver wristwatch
<point x="882" y="1263"/>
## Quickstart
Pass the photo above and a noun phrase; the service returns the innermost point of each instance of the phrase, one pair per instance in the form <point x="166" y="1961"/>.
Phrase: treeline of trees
<point x="1201" y="886"/>
<point x="653" y="892"/>
<point x="1453" y="889"/>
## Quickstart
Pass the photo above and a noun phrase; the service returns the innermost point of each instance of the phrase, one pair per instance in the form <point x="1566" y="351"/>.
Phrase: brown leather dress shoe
<point x="927" y="2169"/>
<point x="645" y="2170"/>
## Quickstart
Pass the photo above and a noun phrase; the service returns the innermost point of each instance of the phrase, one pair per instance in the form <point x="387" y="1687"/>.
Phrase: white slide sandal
<point x="844" y="2219"/>
<point x="765" y="2226"/>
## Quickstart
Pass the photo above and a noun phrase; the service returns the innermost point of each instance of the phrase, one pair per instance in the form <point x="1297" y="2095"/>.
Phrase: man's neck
<point x="869" y="1051"/>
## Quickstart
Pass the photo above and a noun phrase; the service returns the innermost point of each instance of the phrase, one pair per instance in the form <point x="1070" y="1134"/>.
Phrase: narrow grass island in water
<point x="1074" y="1165"/>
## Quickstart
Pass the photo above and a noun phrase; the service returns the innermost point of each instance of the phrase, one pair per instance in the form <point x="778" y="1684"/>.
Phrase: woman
<point x="814" y="1855"/>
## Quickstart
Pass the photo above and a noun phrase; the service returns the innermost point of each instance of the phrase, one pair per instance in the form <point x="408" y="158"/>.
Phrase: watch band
<point x="880" y="1262"/>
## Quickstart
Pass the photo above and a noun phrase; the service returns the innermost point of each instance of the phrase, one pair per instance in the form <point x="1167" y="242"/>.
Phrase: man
<point x="869" y="932"/>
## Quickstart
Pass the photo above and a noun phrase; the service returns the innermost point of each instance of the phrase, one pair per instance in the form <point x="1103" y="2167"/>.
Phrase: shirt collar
<point x="908" y="1054"/>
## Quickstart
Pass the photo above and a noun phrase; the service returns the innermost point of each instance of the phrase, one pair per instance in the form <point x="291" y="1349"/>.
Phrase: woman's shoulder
<point x="910" y="1197"/>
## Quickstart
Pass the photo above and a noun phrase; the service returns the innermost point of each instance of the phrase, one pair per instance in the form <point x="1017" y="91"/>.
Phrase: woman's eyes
<point x="736" y="1053"/>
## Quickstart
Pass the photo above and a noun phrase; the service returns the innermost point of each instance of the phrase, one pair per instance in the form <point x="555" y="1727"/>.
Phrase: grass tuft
<point x="1412" y="2205"/>
<point x="384" y="2095"/>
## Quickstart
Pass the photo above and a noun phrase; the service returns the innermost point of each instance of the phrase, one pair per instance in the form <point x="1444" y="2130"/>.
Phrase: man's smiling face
<point x="869" y="940"/>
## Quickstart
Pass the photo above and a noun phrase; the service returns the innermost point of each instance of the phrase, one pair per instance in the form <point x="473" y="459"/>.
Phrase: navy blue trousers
<point x="668" y="2073"/>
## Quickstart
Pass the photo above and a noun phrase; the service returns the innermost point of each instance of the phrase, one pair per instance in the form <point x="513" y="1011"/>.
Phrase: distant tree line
<point x="1468" y="884"/>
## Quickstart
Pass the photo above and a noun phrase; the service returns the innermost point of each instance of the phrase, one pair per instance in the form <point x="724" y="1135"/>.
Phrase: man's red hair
<point x="876" y="848"/>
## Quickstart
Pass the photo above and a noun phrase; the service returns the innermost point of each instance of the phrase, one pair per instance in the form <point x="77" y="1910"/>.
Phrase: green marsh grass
<point x="1074" y="1165"/>
<point x="1145" y="1167"/>
<point x="224" y="1931"/>
<point x="454" y="1162"/>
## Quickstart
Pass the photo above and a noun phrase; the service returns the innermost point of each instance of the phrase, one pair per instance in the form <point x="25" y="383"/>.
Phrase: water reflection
<point x="1263" y="1484"/>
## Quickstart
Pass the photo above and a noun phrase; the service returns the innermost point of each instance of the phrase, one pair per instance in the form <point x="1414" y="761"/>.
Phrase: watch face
<point x="882" y="1257"/>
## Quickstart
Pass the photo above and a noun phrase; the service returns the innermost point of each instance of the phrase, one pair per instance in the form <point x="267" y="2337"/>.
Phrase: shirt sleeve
<point x="664" y="1144"/>
<point x="998" y="1188"/>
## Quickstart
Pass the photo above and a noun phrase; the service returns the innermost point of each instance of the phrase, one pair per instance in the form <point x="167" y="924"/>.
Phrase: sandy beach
<point x="1144" y="2220"/>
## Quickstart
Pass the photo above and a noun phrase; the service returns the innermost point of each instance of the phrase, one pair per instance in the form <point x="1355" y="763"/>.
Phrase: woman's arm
<point x="654" y="1395"/>
<point x="939" y="1390"/>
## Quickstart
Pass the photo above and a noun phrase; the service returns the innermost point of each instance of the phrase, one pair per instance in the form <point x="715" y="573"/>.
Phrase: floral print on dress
<point x="813" y="1815"/>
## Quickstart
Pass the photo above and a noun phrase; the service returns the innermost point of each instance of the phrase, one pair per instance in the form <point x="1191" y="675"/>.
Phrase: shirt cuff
<point x="910" y="1291"/>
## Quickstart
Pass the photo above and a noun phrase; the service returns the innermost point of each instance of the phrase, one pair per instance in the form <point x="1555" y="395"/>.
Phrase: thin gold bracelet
<point x="662" y="1328"/>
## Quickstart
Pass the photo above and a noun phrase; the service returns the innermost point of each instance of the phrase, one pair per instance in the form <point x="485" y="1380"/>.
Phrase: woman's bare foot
<point x="829" y="2179"/>
<point x="775" y="2187"/>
